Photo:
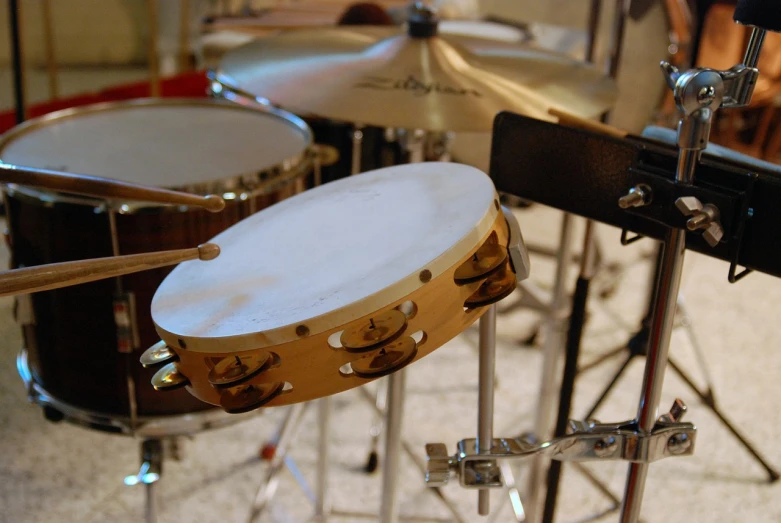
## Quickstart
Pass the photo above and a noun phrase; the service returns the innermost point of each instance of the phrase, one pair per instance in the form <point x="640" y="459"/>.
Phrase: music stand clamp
<point x="588" y="441"/>
<point x="698" y="94"/>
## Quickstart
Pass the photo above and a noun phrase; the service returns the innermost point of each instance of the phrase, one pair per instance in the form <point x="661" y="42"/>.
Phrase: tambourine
<point x="336" y="286"/>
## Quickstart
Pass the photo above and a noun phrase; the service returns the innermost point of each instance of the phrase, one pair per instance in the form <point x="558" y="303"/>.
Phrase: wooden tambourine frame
<point x="309" y="366"/>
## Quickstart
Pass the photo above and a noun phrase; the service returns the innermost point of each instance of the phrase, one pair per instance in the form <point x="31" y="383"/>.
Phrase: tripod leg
<point x="609" y="387"/>
<point x="554" y="327"/>
<point x="270" y="483"/>
<point x="772" y="473"/>
<point x="372" y="461"/>
<point x="574" y="338"/>
<point x="698" y="353"/>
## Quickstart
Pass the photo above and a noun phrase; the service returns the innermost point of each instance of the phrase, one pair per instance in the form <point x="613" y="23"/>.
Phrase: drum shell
<point x="72" y="343"/>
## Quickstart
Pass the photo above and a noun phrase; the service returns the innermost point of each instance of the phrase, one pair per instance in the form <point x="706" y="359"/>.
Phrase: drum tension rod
<point x="587" y="441"/>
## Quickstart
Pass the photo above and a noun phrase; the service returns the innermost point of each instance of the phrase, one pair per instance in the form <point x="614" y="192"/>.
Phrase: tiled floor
<point x="64" y="473"/>
<point x="59" y="472"/>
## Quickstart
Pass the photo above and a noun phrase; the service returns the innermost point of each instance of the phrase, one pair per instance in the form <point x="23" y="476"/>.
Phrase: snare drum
<point x="79" y="340"/>
<point x="366" y="275"/>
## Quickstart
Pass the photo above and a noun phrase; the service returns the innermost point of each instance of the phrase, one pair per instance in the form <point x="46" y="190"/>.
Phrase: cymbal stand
<point x="554" y="323"/>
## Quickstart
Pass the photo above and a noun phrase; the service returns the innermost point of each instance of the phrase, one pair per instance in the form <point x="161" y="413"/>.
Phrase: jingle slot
<point x="420" y="337"/>
<point x="335" y="341"/>
<point x="409" y="308"/>
<point x="346" y="370"/>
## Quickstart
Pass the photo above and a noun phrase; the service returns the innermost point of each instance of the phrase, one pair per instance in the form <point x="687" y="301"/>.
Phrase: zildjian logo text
<point x="413" y="85"/>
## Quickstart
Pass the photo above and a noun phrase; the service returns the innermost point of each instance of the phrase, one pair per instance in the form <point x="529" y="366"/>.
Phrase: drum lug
<point x="24" y="313"/>
<point x="126" y="322"/>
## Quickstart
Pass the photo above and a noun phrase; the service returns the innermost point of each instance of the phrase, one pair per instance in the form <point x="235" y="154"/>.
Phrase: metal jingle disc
<point x="382" y="328"/>
<point x="168" y="378"/>
<point x="387" y="360"/>
<point x="233" y="370"/>
<point x="158" y="354"/>
<point x="249" y="397"/>
<point x="497" y="287"/>
<point x="487" y="260"/>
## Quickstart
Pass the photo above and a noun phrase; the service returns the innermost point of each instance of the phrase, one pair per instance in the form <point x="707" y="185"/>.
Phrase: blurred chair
<point x="750" y="130"/>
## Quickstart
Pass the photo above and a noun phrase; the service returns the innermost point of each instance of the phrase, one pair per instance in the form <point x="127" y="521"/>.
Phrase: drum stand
<point x="148" y="475"/>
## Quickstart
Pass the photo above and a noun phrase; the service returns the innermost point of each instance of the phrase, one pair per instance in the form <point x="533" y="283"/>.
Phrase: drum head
<point x="173" y="143"/>
<point x="327" y="256"/>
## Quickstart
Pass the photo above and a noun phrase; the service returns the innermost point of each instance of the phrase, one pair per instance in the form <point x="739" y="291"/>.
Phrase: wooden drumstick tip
<point x="214" y="203"/>
<point x="208" y="251"/>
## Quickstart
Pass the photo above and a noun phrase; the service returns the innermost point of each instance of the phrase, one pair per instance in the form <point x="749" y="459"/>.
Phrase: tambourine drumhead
<point x="169" y="143"/>
<point x="327" y="256"/>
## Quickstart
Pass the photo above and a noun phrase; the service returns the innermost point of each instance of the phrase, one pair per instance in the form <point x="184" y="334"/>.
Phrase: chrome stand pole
<point x="485" y="401"/>
<point x="322" y="505"/>
<point x="150" y="512"/>
<point x="148" y="475"/>
<point x="396" y="385"/>
<point x="659" y="343"/>
<point x="390" y="470"/>
<point x="698" y="94"/>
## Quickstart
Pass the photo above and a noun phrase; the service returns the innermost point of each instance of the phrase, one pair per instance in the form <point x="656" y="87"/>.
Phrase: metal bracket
<point x="519" y="255"/>
<point x="589" y="441"/>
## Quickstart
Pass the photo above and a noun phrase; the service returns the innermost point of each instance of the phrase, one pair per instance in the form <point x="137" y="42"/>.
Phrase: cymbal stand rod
<point x="394" y="414"/>
<point x="554" y="329"/>
<point x="587" y="270"/>
<point x="357" y="149"/>
<point x="485" y="402"/>
<point x="415" y="146"/>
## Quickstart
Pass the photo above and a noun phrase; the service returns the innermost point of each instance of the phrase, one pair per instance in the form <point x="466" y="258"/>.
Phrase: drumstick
<point x="102" y="187"/>
<point x="57" y="275"/>
<point x="571" y="120"/>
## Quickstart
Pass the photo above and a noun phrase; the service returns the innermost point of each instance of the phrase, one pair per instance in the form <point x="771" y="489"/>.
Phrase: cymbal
<point x="385" y="77"/>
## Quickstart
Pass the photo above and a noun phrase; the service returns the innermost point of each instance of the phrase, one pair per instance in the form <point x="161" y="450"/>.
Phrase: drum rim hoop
<point x="180" y="424"/>
<point x="237" y="187"/>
